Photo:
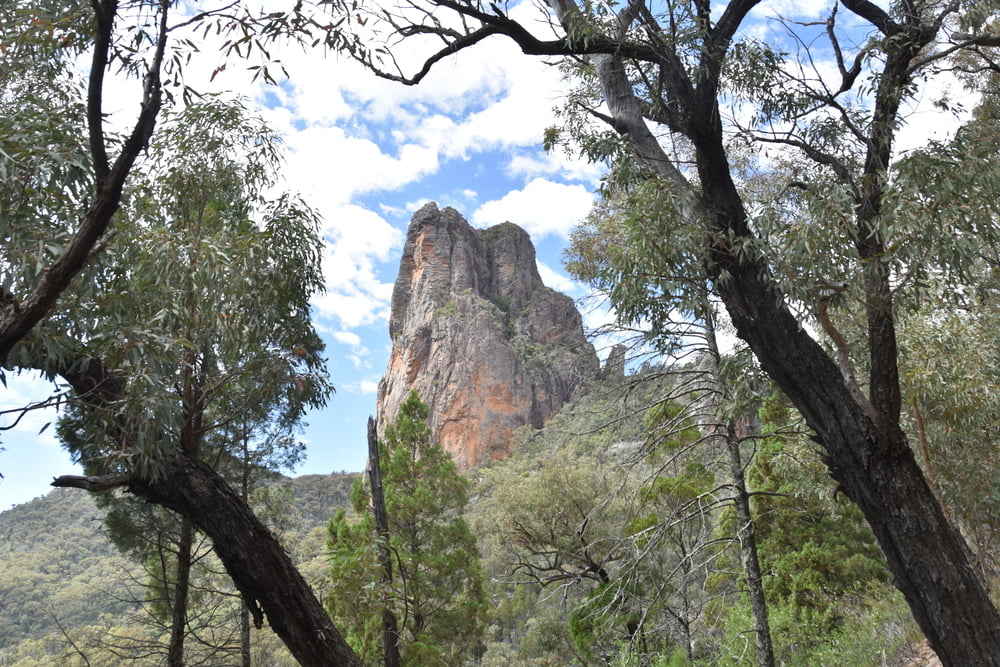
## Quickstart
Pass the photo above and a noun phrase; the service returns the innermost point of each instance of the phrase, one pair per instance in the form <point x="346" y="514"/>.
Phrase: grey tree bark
<point x="390" y="625"/>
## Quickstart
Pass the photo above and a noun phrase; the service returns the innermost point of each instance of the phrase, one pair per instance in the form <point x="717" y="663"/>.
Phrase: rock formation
<point x="475" y="332"/>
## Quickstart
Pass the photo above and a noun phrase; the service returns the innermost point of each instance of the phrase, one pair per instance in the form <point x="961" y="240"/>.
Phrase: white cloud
<point x="331" y="167"/>
<point x="560" y="282"/>
<point x="923" y="118"/>
<point x="555" y="164"/>
<point x="347" y="338"/>
<point x="24" y="390"/>
<point x="356" y="240"/>
<point x="541" y="208"/>
<point x="361" y="387"/>
<point x="597" y="313"/>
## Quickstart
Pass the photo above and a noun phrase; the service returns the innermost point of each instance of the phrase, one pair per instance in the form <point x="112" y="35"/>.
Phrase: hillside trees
<point x="833" y="231"/>
<point x="617" y="519"/>
<point x="60" y="194"/>
<point x="435" y="592"/>
<point x="829" y="592"/>
<point x="949" y="376"/>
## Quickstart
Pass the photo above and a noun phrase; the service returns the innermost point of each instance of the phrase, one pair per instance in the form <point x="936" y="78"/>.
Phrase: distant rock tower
<point x="486" y="345"/>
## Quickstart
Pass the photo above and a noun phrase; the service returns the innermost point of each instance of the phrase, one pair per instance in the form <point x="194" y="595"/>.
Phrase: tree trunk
<point x="245" y="654"/>
<point x="390" y="626"/>
<point x="746" y="536"/>
<point x="256" y="561"/>
<point x="873" y="462"/>
<point x="877" y="469"/>
<point x="745" y="533"/>
<point x="182" y="588"/>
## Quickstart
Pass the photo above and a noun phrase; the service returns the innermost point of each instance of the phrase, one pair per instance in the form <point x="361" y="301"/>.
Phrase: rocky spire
<point x="478" y="335"/>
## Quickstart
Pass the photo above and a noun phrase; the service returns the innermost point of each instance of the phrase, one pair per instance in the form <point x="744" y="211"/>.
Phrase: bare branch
<point x="94" y="483"/>
<point x="836" y="165"/>
<point x="104" y="14"/>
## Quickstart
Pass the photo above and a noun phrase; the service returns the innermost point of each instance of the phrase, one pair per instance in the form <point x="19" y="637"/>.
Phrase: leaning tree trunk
<point x="877" y="469"/>
<point x="254" y="559"/>
<point x="259" y="566"/>
<point x="872" y="461"/>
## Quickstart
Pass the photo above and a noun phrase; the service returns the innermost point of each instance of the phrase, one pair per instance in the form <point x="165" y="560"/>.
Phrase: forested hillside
<point x="67" y="592"/>
<point x="610" y="539"/>
<point x="611" y="522"/>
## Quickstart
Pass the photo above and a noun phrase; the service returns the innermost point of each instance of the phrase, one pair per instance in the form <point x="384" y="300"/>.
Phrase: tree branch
<point x="16" y="323"/>
<point x="104" y="15"/>
<point x="93" y="483"/>
<point x="874" y="15"/>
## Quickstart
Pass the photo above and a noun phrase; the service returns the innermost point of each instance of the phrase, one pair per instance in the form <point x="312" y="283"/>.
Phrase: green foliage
<point x="950" y="351"/>
<point x="248" y="349"/>
<point x="636" y="247"/>
<point x="827" y="577"/>
<point x="45" y="171"/>
<point x="222" y="374"/>
<point x="436" y="592"/>
<point x="590" y="526"/>
<point x="57" y="565"/>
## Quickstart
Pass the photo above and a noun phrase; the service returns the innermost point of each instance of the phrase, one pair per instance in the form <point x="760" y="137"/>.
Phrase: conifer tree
<point x="436" y="592"/>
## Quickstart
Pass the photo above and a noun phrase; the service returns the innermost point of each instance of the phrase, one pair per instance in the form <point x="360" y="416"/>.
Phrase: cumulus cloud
<point x="543" y="207"/>
<point x="366" y="387"/>
<point x="332" y="167"/>
<point x="347" y="338"/>
<point x="357" y="240"/>
<point x="560" y="282"/>
<point x="558" y="164"/>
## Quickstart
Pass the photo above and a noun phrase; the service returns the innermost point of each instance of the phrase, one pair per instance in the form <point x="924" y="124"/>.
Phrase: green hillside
<point x="63" y="583"/>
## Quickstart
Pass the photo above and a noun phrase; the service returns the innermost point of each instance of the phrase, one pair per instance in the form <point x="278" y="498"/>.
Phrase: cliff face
<point x="486" y="345"/>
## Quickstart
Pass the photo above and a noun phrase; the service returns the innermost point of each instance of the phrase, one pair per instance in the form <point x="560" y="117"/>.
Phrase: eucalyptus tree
<point x="681" y="93"/>
<point x="65" y="175"/>
<point x="205" y="317"/>
<point x="226" y="373"/>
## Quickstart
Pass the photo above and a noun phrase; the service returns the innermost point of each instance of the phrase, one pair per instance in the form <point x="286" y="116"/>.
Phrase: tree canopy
<point x="768" y="179"/>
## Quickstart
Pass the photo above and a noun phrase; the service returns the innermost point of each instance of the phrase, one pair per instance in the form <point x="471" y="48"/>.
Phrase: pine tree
<point x="436" y="592"/>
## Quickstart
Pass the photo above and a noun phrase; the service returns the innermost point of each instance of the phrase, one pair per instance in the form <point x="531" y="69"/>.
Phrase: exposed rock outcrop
<point x="486" y="345"/>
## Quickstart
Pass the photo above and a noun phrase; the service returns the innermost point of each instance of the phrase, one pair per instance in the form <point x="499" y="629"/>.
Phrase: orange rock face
<point x="475" y="332"/>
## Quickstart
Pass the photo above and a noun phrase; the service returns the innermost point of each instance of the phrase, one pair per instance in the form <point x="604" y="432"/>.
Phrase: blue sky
<point x="367" y="153"/>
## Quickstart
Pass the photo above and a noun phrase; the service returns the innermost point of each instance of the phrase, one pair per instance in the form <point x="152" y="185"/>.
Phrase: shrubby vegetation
<point x="600" y="545"/>
<point x="602" y="552"/>
<point x="67" y="591"/>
